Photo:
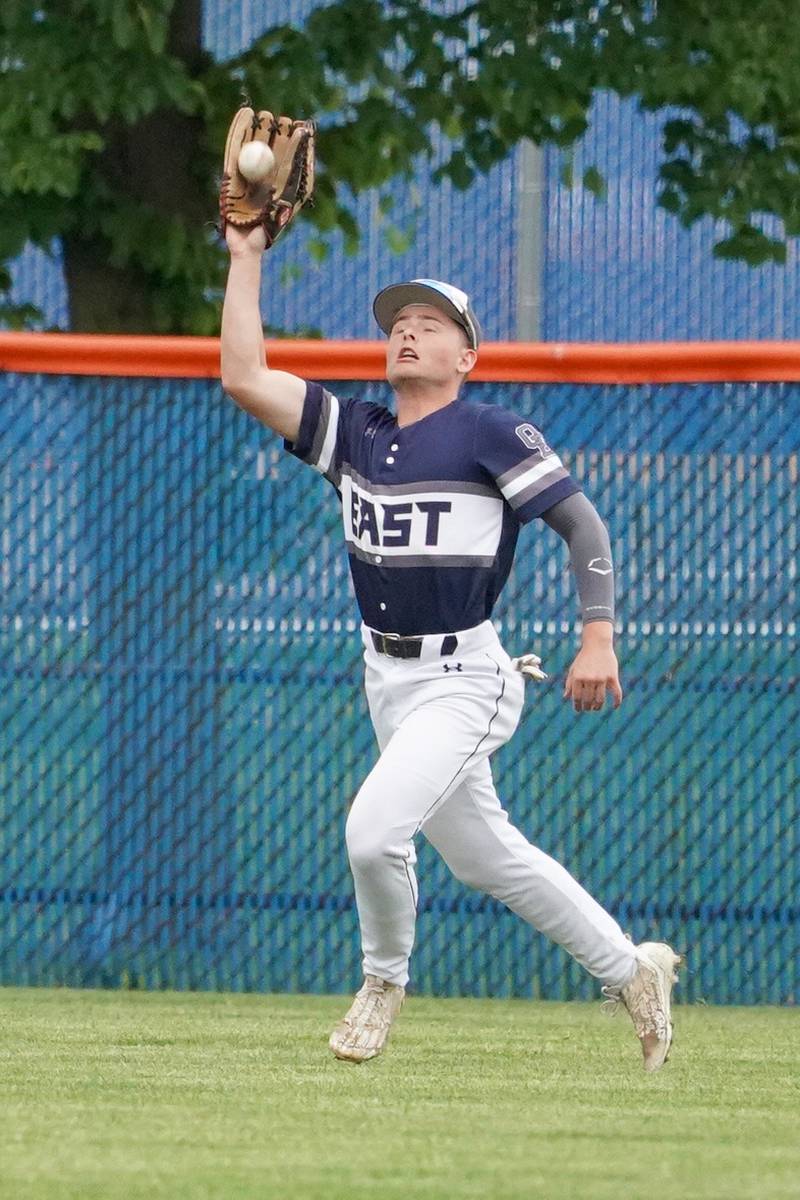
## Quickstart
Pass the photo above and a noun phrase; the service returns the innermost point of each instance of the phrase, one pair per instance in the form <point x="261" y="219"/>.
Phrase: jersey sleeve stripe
<point x="550" y="495"/>
<point x="520" y="468"/>
<point x="320" y="430"/>
<point x="528" y="478"/>
<point x="324" y="446"/>
<point x="554" y="475"/>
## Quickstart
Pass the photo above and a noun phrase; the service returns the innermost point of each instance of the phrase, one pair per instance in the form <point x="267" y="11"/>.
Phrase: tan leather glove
<point x="278" y="197"/>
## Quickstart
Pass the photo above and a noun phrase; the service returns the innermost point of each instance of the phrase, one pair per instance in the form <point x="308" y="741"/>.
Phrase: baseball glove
<point x="277" y="198"/>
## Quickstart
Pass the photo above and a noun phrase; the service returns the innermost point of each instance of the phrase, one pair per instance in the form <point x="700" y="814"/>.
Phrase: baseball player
<point x="433" y="497"/>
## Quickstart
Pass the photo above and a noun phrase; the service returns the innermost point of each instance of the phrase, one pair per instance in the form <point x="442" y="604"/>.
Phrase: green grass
<point x="167" y="1096"/>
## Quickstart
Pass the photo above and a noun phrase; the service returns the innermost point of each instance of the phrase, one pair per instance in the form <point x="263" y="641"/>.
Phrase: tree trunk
<point x="155" y="162"/>
<point x="102" y="298"/>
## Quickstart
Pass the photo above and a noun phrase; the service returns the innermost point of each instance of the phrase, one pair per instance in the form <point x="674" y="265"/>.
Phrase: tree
<point x="114" y="116"/>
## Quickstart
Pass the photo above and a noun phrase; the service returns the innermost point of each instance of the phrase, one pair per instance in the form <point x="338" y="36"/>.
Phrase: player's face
<point x="425" y="346"/>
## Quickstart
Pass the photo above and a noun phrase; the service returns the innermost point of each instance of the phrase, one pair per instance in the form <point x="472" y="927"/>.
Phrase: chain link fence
<point x="184" y="725"/>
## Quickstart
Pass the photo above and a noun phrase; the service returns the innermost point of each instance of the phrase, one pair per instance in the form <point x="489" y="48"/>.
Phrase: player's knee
<point x="366" y="846"/>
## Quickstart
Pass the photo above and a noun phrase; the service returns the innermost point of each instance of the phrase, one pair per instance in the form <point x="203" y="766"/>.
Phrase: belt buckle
<point x="390" y="638"/>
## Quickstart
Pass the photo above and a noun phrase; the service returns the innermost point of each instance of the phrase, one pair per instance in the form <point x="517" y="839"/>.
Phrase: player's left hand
<point x="593" y="672"/>
<point x="273" y="200"/>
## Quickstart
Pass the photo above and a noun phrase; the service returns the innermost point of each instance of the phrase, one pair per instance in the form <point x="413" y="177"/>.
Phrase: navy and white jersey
<point x="431" y="511"/>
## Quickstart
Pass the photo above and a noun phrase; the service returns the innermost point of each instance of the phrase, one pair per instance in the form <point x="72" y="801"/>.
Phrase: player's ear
<point x="467" y="360"/>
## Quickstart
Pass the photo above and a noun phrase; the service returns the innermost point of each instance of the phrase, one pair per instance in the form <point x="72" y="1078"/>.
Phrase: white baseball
<point x="255" y="161"/>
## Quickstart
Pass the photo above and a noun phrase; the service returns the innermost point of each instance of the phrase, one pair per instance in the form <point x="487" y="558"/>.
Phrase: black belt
<point x="396" y="646"/>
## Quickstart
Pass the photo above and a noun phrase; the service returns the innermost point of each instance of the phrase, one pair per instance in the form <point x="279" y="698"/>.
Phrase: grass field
<point x="176" y="1096"/>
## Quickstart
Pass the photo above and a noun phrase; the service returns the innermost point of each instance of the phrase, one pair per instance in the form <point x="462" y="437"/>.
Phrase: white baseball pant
<point x="437" y="720"/>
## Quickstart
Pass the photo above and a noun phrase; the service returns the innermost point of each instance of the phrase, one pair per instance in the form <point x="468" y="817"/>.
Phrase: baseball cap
<point x="448" y="299"/>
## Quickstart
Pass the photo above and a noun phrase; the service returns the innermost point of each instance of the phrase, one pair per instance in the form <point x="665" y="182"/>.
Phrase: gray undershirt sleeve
<point x="577" y="521"/>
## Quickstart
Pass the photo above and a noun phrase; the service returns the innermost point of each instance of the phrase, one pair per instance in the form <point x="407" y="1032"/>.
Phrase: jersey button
<point x="382" y="606"/>
<point x="394" y="447"/>
<point x="378" y="558"/>
<point x="390" y="460"/>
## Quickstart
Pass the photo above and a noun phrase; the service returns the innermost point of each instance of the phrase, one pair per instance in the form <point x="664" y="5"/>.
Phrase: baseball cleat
<point x="647" y="999"/>
<point x="363" y="1031"/>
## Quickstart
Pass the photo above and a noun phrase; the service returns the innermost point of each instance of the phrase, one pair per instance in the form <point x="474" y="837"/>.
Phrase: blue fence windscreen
<point x="184" y="724"/>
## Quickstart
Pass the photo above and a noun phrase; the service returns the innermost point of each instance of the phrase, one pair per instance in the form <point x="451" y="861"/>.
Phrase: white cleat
<point x="647" y="999"/>
<point x="363" y="1032"/>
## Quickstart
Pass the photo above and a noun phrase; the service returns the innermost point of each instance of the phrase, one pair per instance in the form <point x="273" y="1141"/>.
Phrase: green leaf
<point x="678" y="135"/>
<point x="752" y="245"/>
<point x="318" y="249"/>
<point x="451" y="127"/>
<point x="399" y="241"/>
<point x="122" y="27"/>
<point x="290" y="273"/>
<point x="459" y="170"/>
<point x="350" y="230"/>
<point x="18" y="316"/>
<point x="155" y="27"/>
<point x="594" y="182"/>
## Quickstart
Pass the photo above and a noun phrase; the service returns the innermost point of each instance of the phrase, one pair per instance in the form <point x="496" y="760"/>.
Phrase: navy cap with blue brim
<point x="448" y="299"/>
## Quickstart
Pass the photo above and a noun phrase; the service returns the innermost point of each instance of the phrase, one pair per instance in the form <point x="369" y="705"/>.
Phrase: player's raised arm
<point x="268" y="174"/>
<point x="274" y="397"/>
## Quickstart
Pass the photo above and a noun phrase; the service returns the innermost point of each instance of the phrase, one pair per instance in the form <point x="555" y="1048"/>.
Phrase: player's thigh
<point x="432" y="750"/>
<point x="472" y="831"/>
<point x="379" y="703"/>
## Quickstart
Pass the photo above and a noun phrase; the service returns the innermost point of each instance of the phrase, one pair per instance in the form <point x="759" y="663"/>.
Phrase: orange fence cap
<point x="145" y="355"/>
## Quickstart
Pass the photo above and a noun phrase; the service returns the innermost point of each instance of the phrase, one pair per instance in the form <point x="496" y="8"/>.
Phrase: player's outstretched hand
<point x="593" y="672"/>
